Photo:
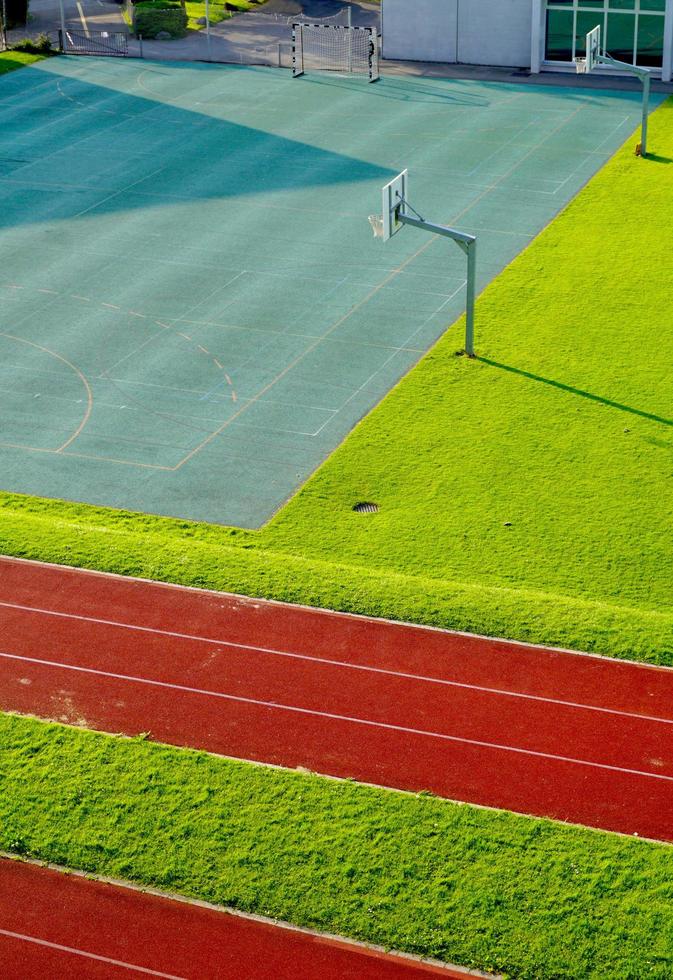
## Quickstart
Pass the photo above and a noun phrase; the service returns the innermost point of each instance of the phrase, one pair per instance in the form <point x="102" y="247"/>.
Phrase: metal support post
<point x="471" y="251"/>
<point x="645" y="75"/>
<point x="4" y="25"/>
<point x="468" y="245"/>
<point x="208" y="43"/>
<point x="646" y="113"/>
<point x="62" y="14"/>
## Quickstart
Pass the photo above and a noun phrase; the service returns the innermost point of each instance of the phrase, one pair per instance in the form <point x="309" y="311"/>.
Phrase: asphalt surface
<point x="260" y="37"/>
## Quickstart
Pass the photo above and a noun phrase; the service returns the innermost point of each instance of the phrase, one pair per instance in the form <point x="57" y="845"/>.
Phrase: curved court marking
<point x="366" y="668"/>
<point x="333" y="716"/>
<point x="90" y="956"/>
<point x="199" y="349"/>
<point x="82" y="378"/>
<point x="83" y="105"/>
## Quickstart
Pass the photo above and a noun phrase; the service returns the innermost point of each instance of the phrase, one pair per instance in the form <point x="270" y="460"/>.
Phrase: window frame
<point x="602" y="13"/>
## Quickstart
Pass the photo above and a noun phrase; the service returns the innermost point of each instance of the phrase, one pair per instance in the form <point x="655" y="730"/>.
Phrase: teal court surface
<point x="193" y="311"/>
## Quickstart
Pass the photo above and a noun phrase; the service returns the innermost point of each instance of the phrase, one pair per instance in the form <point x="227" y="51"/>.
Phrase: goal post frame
<point x="298" y="34"/>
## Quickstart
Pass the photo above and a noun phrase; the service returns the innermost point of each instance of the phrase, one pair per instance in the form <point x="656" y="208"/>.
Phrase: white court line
<point x="89" y="956"/>
<point x="368" y="723"/>
<point x="398" y="350"/>
<point x="332" y="663"/>
<point x="594" y="152"/>
<point x="117" y="193"/>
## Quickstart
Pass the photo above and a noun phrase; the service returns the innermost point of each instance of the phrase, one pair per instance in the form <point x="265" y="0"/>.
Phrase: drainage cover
<point x="366" y="507"/>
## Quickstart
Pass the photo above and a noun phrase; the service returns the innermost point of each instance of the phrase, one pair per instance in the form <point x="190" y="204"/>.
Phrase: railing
<point x="108" y="43"/>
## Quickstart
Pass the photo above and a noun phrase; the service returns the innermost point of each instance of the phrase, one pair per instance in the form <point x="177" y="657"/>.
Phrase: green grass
<point x="196" y="10"/>
<point x="11" y="60"/>
<point x="482" y="888"/>
<point x="522" y="494"/>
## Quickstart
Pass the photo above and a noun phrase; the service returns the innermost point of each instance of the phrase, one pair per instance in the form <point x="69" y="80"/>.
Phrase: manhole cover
<point x="366" y="507"/>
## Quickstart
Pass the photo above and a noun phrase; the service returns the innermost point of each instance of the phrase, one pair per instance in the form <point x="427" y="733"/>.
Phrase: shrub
<point x="35" y="45"/>
<point x="151" y="17"/>
<point x="16" y="12"/>
<point x="158" y="5"/>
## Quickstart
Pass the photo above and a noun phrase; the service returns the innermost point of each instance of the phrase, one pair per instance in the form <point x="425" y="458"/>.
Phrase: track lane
<point x="483" y="721"/>
<point x="56" y="925"/>
<point x="421" y="650"/>
<point x="326" y="687"/>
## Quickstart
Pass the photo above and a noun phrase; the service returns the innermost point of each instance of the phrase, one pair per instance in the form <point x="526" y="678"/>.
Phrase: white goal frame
<point x="301" y="32"/>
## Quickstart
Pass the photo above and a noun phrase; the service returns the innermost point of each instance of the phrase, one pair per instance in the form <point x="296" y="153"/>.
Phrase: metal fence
<point x="111" y="43"/>
<point x="254" y="38"/>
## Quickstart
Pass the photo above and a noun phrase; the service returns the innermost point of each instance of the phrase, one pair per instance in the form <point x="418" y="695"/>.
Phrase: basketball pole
<point x="468" y="245"/>
<point x="645" y="76"/>
<point x="595" y="57"/>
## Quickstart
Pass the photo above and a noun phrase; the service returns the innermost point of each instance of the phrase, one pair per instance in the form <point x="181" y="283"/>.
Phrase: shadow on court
<point x="71" y="147"/>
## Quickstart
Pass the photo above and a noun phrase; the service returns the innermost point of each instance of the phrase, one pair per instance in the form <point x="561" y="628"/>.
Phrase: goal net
<point x="333" y="47"/>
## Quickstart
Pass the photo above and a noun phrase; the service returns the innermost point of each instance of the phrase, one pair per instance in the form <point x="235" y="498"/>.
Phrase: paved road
<point x="259" y="37"/>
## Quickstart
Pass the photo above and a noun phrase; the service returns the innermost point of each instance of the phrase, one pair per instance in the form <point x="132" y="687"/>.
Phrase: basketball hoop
<point x="376" y="221"/>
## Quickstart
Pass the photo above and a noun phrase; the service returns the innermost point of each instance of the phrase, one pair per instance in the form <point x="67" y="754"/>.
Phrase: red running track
<point x="57" y="925"/>
<point x="573" y="737"/>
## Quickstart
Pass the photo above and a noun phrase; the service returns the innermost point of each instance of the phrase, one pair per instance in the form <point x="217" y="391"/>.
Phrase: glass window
<point x="620" y="38"/>
<point x="650" y="51"/>
<point x="559" y="35"/>
<point x="633" y="30"/>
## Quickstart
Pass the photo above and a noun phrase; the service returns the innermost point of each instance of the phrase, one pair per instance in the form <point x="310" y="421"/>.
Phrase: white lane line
<point x="367" y="722"/>
<point x="82" y="18"/>
<point x="89" y="956"/>
<point x="270" y="651"/>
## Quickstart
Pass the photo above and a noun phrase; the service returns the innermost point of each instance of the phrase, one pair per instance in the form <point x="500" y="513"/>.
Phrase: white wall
<point x="474" y="32"/>
<point x="494" y="32"/>
<point x="420" y="30"/>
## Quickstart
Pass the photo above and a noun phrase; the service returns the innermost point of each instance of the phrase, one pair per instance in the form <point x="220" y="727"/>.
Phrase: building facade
<point x="543" y="35"/>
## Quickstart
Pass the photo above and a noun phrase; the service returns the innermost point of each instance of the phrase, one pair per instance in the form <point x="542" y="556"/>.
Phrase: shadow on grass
<point x="10" y="62"/>
<point x="577" y="391"/>
<point x="655" y="158"/>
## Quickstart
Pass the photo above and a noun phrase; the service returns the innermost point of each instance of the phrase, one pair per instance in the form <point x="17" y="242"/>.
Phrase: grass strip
<point x="11" y="60"/>
<point x="207" y="557"/>
<point x="486" y="889"/>
<point x="197" y="11"/>
<point x="520" y="494"/>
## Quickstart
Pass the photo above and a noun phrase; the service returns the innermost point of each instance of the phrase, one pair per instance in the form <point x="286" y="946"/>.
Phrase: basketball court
<point x="193" y="311"/>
